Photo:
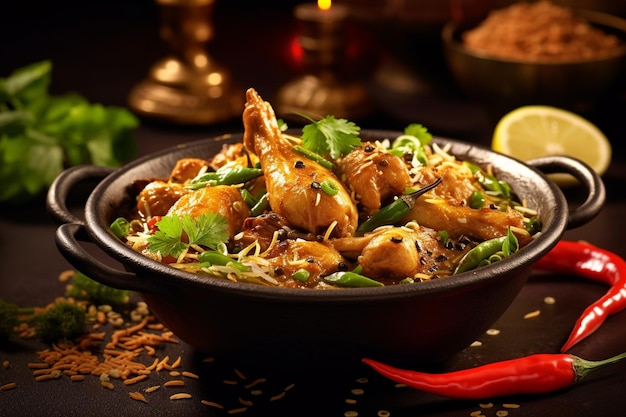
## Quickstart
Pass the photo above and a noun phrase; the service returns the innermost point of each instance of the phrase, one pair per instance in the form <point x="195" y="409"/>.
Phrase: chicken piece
<point x="390" y="253"/>
<point x="318" y="258"/>
<point x="458" y="182"/>
<point x="261" y="229"/>
<point x="293" y="182"/>
<point x="187" y="168"/>
<point x="393" y="253"/>
<point x="232" y="154"/>
<point x="156" y="198"/>
<point x="481" y="224"/>
<point x="221" y="199"/>
<point x="374" y="175"/>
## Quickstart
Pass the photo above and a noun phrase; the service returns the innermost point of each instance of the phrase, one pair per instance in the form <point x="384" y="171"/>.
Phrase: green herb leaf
<point x="420" y="132"/>
<point x="167" y="240"/>
<point x="40" y="134"/>
<point x="208" y="229"/>
<point x="331" y="136"/>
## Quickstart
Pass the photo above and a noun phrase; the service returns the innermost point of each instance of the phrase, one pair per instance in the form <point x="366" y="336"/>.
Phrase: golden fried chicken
<point x="293" y="181"/>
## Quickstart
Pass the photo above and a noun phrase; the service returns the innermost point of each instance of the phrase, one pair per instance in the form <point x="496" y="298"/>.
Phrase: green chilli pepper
<point x="490" y="182"/>
<point x="533" y="225"/>
<point x="477" y="200"/>
<point x="216" y="258"/>
<point x="225" y="176"/>
<point x="313" y="156"/>
<point x="351" y="279"/>
<point x="120" y="227"/>
<point x="395" y="211"/>
<point x="487" y="252"/>
<point x="330" y="187"/>
<point x="261" y="205"/>
<point x="409" y="144"/>
<point x="301" y="275"/>
<point x="247" y="196"/>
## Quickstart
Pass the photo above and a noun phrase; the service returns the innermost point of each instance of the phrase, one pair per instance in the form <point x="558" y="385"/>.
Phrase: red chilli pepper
<point x="540" y="373"/>
<point x="152" y="223"/>
<point x="596" y="264"/>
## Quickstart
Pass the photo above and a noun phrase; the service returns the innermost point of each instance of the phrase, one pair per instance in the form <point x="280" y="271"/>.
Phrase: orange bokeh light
<point x="324" y="4"/>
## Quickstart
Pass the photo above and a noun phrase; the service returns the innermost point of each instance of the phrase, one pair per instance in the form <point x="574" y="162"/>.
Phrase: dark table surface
<point x="103" y="49"/>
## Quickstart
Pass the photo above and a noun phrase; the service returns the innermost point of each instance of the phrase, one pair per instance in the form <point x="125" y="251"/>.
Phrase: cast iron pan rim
<point x="170" y="277"/>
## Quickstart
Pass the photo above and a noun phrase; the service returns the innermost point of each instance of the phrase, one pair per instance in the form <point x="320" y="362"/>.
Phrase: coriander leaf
<point x="420" y="132"/>
<point x="209" y="229"/>
<point x="28" y="83"/>
<point x="59" y="130"/>
<point x="331" y="136"/>
<point x="167" y="240"/>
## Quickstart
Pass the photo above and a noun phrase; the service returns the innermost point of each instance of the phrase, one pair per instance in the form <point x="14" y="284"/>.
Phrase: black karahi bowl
<point x="425" y="322"/>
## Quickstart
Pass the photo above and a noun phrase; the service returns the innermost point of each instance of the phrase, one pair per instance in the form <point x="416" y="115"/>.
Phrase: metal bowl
<point x="501" y="85"/>
<point x="421" y="323"/>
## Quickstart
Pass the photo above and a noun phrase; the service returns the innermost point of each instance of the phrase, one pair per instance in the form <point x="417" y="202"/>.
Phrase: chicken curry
<point x="285" y="211"/>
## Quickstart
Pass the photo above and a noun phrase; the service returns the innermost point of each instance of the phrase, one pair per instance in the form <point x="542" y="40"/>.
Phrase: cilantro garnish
<point x="331" y="136"/>
<point x="209" y="230"/>
<point x="420" y="132"/>
<point x="42" y="134"/>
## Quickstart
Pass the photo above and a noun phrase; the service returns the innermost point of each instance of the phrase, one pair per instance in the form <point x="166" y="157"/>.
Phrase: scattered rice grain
<point x="107" y="384"/>
<point x="549" y="300"/>
<point x="237" y="410"/>
<point x="245" y="402"/>
<point x="38" y="365"/>
<point x="357" y="391"/>
<point x="180" y="396"/>
<point x="212" y="404"/>
<point x="240" y="374"/>
<point x="532" y="314"/>
<point x="46" y="377"/>
<point x="5" y="364"/>
<point x="350" y="401"/>
<point x="278" y="396"/>
<point x="511" y="405"/>
<point x="188" y="374"/>
<point x="152" y="388"/>
<point x="502" y="413"/>
<point x="77" y="377"/>
<point x="136" y="395"/>
<point x="134" y="380"/>
<point x="493" y="332"/>
<point x="476" y="343"/>
<point x="487" y="405"/>
<point x="174" y="383"/>
<point x="6" y="387"/>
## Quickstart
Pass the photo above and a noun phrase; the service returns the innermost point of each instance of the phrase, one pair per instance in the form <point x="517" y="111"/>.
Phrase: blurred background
<point x="102" y="49"/>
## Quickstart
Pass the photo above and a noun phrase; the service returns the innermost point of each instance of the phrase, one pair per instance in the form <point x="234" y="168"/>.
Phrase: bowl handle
<point x="64" y="183"/>
<point x="68" y="237"/>
<point x="589" y="179"/>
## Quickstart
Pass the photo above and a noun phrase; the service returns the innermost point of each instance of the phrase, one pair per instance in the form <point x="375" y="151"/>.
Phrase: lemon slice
<point x="534" y="131"/>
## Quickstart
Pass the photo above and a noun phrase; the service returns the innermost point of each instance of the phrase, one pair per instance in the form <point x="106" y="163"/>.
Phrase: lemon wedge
<point x="534" y="131"/>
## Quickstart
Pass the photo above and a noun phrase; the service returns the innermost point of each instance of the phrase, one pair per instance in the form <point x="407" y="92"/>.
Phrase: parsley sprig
<point x="208" y="230"/>
<point x="331" y="136"/>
